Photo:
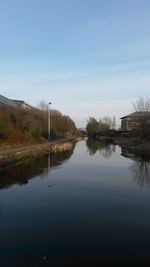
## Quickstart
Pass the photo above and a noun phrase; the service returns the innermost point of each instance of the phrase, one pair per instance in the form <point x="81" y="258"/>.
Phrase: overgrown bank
<point x="20" y="126"/>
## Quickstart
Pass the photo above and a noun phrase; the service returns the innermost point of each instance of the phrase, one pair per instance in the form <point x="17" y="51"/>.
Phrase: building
<point x="6" y="101"/>
<point x="21" y="104"/>
<point x="135" y="120"/>
<point x="14" y="103"/>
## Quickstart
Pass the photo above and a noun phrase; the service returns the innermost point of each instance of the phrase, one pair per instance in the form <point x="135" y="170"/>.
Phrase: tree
<point x="43" y="106"/>
<point x="29" y="125"/>
<point x="92" y="125"/>
<point x="61" y="125"/>
<point x="97" y="127"/>
<point x="108" y="121"/>
<point x="143" y="106"/>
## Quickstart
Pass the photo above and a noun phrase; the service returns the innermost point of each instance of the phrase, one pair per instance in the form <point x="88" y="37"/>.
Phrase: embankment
<point x="8" y="156"/>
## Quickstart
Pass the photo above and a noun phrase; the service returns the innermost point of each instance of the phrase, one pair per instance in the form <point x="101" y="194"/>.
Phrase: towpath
<point x="28" y="151"/>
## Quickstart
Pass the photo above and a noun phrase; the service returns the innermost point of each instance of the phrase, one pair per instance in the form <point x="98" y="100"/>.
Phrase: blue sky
<point x="88" y="57"/>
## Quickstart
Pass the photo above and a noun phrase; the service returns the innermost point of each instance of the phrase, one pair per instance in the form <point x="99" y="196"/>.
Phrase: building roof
<point x="21" y="102"/>
<point x="137" y="114"/>
<point x="7" y="101"/>
<point x="13" y="102"/>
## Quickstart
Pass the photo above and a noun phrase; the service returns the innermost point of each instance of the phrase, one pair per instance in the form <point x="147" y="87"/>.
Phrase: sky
<point x="87" y="57"/>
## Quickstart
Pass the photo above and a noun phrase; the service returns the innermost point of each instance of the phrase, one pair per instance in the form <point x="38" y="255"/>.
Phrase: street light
<point x="67" y="124"/>
<point x="49" y="120"/>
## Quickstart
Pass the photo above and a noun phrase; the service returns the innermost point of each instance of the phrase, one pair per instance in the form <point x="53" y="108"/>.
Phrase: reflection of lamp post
<point x="49" y="121"/>
<point x="49" y="164"/>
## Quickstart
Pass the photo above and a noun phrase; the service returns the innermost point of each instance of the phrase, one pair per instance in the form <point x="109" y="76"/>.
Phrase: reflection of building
<point x="14" y="103"/>
<point x="135" y="120"/>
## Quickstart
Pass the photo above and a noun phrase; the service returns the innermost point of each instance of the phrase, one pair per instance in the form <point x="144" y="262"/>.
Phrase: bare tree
<point x="43" y="106"/>
<point x="98" y="127"/>
<point x="108" y="121"/>
<point x="142" y="105"/>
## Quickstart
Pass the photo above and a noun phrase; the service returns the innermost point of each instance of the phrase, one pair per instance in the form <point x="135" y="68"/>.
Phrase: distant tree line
<point x="106" y="125"/>
<point x="101" y="126"/>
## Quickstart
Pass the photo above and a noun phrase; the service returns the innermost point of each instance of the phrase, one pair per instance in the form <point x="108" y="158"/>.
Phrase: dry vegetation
<point x="28" y="126"/>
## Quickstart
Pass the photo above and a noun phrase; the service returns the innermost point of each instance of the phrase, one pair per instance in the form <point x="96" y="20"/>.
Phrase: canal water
<point x="86" y="207"/>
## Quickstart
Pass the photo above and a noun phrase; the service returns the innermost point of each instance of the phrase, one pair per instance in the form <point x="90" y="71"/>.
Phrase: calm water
<point x="86" y="207"/>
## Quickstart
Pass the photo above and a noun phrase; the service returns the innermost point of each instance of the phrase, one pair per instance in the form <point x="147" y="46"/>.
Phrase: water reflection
<point x="21" y="173"/>
<point x="93" y="217"/>
<point x="105" y="149"/>
<point x="140" y="168"/>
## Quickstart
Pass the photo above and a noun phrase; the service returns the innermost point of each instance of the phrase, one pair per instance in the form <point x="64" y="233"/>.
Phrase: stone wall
<point x="19" y="154"/>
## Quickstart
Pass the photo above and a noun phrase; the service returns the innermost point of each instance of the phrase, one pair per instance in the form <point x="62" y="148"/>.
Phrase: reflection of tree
<point x="109" y="149"/>
<point x="105" y="149"/>
<point x="141" y="170"/>
<point x="21" y="173"/>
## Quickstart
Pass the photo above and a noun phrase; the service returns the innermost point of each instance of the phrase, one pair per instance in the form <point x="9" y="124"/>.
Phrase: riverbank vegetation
<point x="29" y="125"/>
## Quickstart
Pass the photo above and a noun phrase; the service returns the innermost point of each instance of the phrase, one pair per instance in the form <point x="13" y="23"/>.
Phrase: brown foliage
<point x="26" y="125"/>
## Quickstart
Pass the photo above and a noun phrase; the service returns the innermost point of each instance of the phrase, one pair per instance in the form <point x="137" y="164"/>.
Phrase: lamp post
<point x="68" y="126"/>
<point x="49" y="121"/>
